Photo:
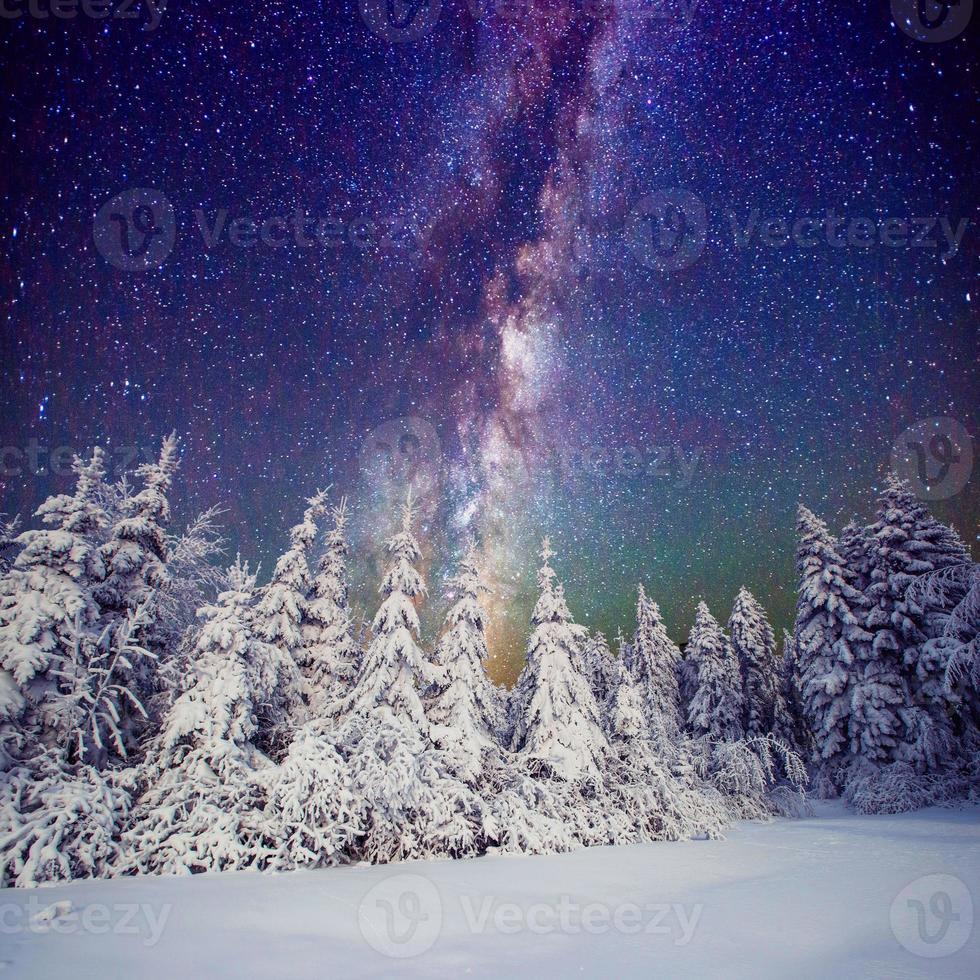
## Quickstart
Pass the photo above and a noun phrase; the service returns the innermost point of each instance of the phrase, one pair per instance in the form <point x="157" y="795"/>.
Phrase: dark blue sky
<point x="476" y="271"/>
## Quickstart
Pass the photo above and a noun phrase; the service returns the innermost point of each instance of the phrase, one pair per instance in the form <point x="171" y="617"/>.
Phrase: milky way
<point x="456" y="268"/>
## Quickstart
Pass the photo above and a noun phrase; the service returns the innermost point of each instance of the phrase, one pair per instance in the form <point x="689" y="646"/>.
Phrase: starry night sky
<point x="477" y="285"/>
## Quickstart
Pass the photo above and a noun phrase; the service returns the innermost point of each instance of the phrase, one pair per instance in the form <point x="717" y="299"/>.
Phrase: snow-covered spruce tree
<point x="409" y="802"/>
<point x="395" y="670"/>
<point x="654" y="795"/>
<point x="655" y="662"/>
<point x="754" y="644"/>
<point x="314" y="817"/>
<point x="329" y="656"/>
<point x="907" y="542"/>
<point x="598" y="665"/>
<point x="854" y="546"/>
<point x="557" y="724"/>
<point x="833" y="650"/>
<point x="279" y="618"/>
<point x="136" y="559"/>
<point x="8" y="542"/>
<point x="952" y="598"/>
<point x="716" y="708"/>
<point x="136" y="555"/>
<point x="49" y="624"/>
<point x="687" y="679"/>
<point x="59" y="816"/>
<point x="789" y="724"/>
<point x="205" y="781"/>
<point x="463" y="705"/>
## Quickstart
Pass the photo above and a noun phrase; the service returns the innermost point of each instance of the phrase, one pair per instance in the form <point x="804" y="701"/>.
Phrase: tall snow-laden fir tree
<point x="280" y="616"/>
<point x="951" y="599"/>
<point x="854" y="546"/>
<point x="136" y="557"/>
<point x="716" y="708"/>
<point x="409" y="800"/>
<point x="281" y="610"/>
<point x="655" y="662"/>
<point x="626" y="710"/>
<point x="464" y="707"/>
<point x="203" y="808"/>
<point x="598" y="665"/>
<point x="136" y="554"/>
<point x="833" y="649"/>
<point x="789" y="724"/>
<point x="557" y="724"/>
<point x="329" y="655"/>
<point x="755" y="647"/>
<point x="395" y="670"/>
<point x="49" y="623"/>
<point x="907" y="542"/>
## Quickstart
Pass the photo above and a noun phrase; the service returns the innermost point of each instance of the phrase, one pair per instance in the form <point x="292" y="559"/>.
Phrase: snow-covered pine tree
<point x="395" y="670"/>
<point x="655" y="662"/>
<point x="8" y="542"/>
<point x="687" y="679"/>
<point x="279" y="618"/>
<point x="716" y="708"/>
<point x="951" y="599"/>
<point x="854" y="546"/>
<point x="463" y="705"/>
<point x="833" y="649"/>
<point x="755" y="647"/>
<point x="135" y="555"/>
<point x="626" y="710"/>
<point x="280" y="612"/>
<point x="49" y="624"/>
<point x="410" y="801"/>
<point x="557" y="724"/>
<point x="907" y="542"/>
<point x="205" y="780"/>
<point x="598" y="665"/>
<point x="789" y="725"/>
<point x="59" y="816"/>
<point x="328" y="651"/>
<point x="136" y="558"/>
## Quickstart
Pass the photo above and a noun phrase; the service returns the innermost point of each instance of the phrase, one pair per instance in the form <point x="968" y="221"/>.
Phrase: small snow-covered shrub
<point x="899" y="787"/>
<point x="315" y="816"/>
<point x="58" y="823"/>
<point x="207" y="812"/>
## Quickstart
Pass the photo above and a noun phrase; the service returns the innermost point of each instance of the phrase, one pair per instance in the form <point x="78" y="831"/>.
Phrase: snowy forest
<point x="160" y="714"/>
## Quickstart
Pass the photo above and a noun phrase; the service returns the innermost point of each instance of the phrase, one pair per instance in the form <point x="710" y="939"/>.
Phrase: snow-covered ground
<point x="833" y="896"/>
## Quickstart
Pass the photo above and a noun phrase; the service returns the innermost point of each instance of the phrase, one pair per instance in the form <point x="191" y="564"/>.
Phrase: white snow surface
<point x="831" y="896"/>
